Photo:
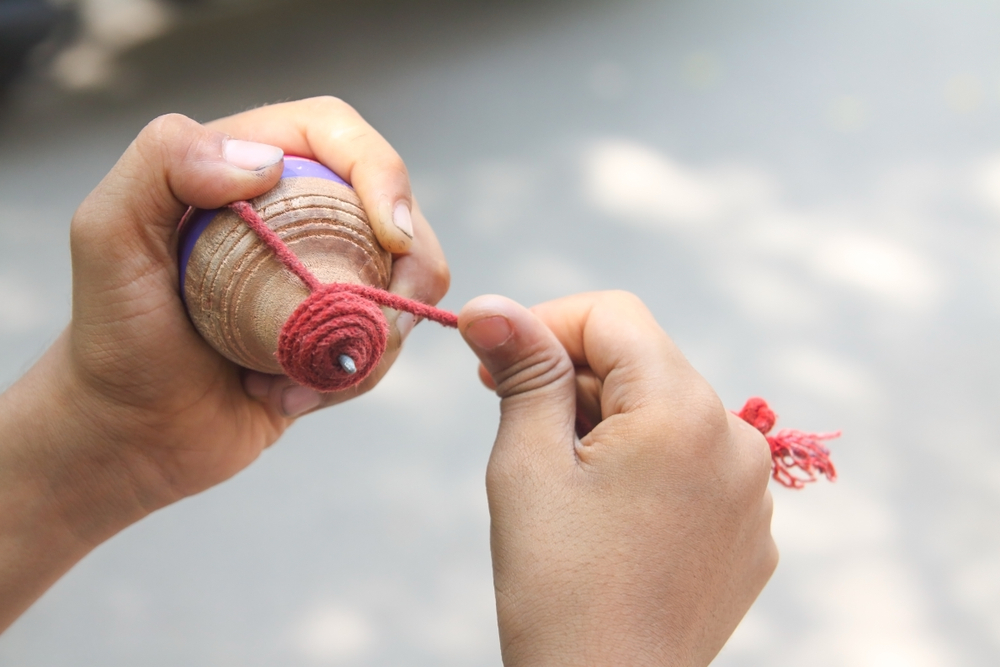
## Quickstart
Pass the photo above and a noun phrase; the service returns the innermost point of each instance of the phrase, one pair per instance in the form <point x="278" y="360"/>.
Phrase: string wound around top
<point x="337" y="336"/>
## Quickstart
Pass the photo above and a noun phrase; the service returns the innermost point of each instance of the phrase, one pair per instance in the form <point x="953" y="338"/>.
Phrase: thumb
<point x="534" y="379"/>
<point x="124" y="228"/>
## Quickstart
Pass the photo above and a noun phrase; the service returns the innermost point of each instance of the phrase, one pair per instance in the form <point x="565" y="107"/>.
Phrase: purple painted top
<point x="198" y="220"/>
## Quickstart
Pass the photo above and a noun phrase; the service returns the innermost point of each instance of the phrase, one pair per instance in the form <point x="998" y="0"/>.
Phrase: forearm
<point x="62" y="492"/>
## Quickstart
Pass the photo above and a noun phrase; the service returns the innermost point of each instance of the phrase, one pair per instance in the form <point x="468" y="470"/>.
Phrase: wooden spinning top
<point x="239" y="295"/>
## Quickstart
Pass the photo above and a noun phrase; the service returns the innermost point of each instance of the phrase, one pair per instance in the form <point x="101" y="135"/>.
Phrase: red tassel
<point x="798" y="457"/>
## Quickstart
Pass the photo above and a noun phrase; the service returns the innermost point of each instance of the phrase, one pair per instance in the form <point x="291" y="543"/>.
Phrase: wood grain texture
<point x="239" y="295"/>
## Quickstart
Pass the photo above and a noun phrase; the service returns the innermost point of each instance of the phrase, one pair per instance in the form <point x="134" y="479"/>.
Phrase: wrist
<point x="80" y="449"/>
<point x="66" y="481"/>
<point x="598" y="649"/>
<point x="593" y="626"/>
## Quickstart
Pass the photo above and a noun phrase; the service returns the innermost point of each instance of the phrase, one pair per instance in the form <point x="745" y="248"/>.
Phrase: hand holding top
<point x="130" y="410"/>
<point x="645" y="541"/>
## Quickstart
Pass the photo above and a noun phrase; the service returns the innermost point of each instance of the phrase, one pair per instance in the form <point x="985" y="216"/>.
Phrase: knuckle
<point x="705" y="413"/>
<point x="699" y="431"/>
<point x="392" y="161"/>
<point x="441" y="279"/>
<point x="165" y="138"/>
<point x="378" y="157"/>
<point x="759" y="463"/>
<point x="771" y="552"/>
<point x="767" y="510"/>
<point x="624" y="297"/>
<point x="328" y="103"/>
<point x="750" y="473"/>
<point x="746" y="468"/>
<point x="622" y="300"/>
<point x="164" y="128"/>
<point x="771" y="558"/>
<point x="764" y="463"/>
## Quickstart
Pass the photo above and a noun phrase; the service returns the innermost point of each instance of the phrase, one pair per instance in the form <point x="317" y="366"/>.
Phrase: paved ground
<point x="806" y="195"/>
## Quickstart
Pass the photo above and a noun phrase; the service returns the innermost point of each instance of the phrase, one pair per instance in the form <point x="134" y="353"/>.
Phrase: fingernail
<point x="250" y="155"/>
<point x="404" y="324"/>
<point x="402" y="219"/>
<point x="257" y="385"/>
<point x="297" y="400"/>
<point x="489" y="332"/>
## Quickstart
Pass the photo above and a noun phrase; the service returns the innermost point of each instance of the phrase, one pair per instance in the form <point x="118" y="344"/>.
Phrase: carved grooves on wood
<point x="321" y="221"/>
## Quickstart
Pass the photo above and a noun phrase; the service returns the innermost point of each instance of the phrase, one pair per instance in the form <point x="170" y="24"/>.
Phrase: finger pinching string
<point x="336" y="337"/>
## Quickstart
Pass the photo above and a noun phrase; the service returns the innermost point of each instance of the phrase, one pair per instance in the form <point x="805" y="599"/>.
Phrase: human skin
<point x="130" y="410"/>
<point x="643" y="542"/>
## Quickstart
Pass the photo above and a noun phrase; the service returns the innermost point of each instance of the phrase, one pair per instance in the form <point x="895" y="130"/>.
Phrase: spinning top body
<point x="239" y="295"/>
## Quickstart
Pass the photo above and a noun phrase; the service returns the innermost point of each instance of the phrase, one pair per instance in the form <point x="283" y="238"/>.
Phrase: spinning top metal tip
<point x="347" y="364"/>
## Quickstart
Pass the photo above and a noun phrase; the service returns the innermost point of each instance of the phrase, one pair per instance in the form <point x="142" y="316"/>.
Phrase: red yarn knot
<point x="758" y="414"/>
<point x="334" y="320"/>
<point x="797" y="457"/>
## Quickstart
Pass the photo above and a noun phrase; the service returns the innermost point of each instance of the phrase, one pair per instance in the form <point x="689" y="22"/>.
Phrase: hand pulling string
<point x="342" y="321"/>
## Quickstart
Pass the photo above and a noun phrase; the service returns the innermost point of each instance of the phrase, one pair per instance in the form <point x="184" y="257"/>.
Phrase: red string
<point x="344" y="318"/>
<point x="798" y="457"/>
<point x="335" y="319"/>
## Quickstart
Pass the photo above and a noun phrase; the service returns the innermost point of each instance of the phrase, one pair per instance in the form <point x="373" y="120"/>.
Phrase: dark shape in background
<point x="24" y="25"/>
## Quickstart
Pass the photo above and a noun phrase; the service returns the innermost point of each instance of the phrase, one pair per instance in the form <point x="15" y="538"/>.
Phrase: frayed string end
<point x="797" y="457"/>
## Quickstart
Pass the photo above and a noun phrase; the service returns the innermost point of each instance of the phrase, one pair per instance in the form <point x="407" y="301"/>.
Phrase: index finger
<point x="330" y="131"/>
<point x="615" y="335"/>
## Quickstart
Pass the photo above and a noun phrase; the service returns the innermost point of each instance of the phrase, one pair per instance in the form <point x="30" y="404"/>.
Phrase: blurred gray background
<point x="805" y="194"/>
